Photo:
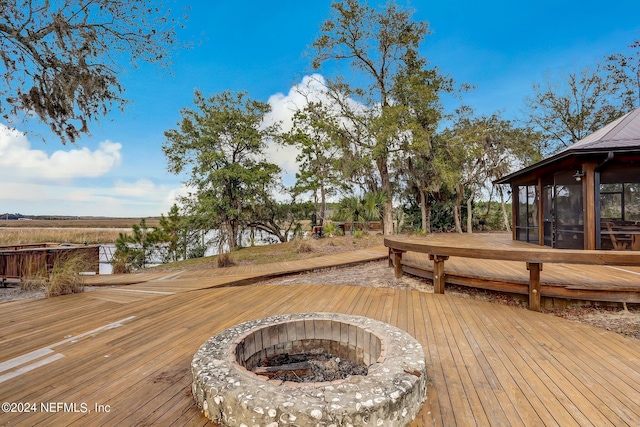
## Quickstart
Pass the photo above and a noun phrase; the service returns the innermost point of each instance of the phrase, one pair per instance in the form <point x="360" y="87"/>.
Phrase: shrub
<point x="66" y="277"/>
<point x="34" y="277"/>
<point x="329" y="230"/>
<point x="224" y="260"/>
<point x="119" y="264"/>
<point x="302" y="247"/>
<point x="197" y="251"/>
<point x="358" y="234"/>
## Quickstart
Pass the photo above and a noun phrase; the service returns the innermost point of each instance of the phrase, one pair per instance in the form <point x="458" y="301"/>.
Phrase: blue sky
<point x="501" y="47"/>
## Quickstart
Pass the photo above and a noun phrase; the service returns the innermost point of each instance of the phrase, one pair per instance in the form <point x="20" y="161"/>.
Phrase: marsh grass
<point x="66" y="277"/>
<point x="35" y="278"/>
<point x="22" y="235"/>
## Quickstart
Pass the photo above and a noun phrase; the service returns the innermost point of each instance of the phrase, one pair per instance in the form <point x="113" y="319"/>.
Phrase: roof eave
<point x="561" y="156"/>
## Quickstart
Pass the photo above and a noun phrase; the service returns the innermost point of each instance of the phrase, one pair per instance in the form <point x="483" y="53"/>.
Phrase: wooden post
<point x="438" y="272"/>
<point x="541" y="208"/>
<point x="397" y="261"/>
<point x="534" y="285"/>
<point x="514" y="211"/>
<point x="589" y="205"/>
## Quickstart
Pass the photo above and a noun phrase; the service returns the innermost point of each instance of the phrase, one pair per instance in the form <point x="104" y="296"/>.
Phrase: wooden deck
<point x="129" y="350"/>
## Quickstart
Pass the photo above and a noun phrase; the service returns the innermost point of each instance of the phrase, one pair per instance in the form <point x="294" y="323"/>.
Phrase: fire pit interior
<point x="310" y="366"/>
<point x="310" y="369"/>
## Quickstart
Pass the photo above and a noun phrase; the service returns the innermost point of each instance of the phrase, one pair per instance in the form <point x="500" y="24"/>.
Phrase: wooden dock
<point x="124" y="353"/>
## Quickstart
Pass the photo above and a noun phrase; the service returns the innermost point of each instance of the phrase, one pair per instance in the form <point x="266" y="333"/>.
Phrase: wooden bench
<point x="440" y="247"/>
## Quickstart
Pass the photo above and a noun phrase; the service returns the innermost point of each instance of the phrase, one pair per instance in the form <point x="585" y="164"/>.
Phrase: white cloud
<point x="141" y="188"/>
<point x="19" y="160"/>
<point x="71" y="181"/>
<point x="121" y="199"/>
<point x="283" y="108"/>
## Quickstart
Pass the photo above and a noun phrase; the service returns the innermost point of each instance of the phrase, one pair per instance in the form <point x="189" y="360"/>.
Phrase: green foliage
<point x="220" y="145"/>
<point x="172" y="234"/>
<point x="315" y="133"/>
<point x="134" y="251"/>
<point x="491" y="212"/>
<point x="441" y="214"/>
<point x="330" y="229"/>
<point x="358" y="234"/>
<point x="196" y="251"/>
<point x="279" y="219"/>
<point x="382" y="47"/>
<point x="172" y="240"/>
<point x="360" y="209"/>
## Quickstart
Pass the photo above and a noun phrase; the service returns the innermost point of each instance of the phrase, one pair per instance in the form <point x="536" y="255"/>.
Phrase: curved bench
<point x="440" y="247"/>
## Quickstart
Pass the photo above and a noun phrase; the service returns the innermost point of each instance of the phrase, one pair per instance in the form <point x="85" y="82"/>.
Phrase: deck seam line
<point x="43" y="351"/>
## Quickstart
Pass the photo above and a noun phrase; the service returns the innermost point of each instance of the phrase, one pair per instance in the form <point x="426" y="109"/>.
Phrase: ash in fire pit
<point x="313" y="367"/>
<point x="234" y="384"/>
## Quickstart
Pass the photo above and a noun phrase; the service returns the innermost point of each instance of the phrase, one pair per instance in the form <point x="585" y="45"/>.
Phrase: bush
<point x="224" y="260"/>
<point x="197" y="251"/>
<point x="329" y="230"/>
<point x="35" y="278"/>
<point x="66" y="277"/>
<point x="119" y="264"/>
<point x="303" y="247"/>
<point x="358" y="234"/>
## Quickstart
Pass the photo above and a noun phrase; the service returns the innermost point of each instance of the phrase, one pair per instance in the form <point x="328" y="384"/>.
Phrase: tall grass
<point x="65" y="277"/>
<point x="14" y="236"/>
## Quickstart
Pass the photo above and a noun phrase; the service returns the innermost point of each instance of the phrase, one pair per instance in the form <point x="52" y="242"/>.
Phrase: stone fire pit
<point x="230" y="394"/>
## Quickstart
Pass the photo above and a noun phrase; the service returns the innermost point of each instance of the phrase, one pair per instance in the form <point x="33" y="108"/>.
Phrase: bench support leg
<point x="395" y="260"/>
<point x="534" y="285"/>
<point x="438" y="272"/>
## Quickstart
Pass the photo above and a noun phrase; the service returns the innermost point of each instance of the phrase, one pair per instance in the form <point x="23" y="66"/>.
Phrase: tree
<point x="363" y="209"/>
<point x="379" y="45"/>
<point x="61" y="59"/>
<point x="173" y="234"/>
<point x="136" y="250"/>
<point x="314" y="132"/>
<point x="568" y="111"/>
<point x="482" y="149"/>
<point x="420" y="90"/>
<point x="280" y="219"/>
<point x="624" y="71"/>
<point x="223" y="145"/>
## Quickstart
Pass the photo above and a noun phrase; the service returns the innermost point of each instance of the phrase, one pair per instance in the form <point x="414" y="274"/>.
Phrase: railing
<point x="19" y="261"/>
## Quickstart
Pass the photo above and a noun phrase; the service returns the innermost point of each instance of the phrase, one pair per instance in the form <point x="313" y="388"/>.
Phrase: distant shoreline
<point x="79" y="222"/>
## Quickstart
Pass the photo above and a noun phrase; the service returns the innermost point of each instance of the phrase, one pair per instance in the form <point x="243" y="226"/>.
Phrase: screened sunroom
<point x="585" y="197"/>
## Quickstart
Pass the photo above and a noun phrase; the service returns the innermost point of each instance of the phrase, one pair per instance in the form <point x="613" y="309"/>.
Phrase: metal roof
<point x="621" y="135"/>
